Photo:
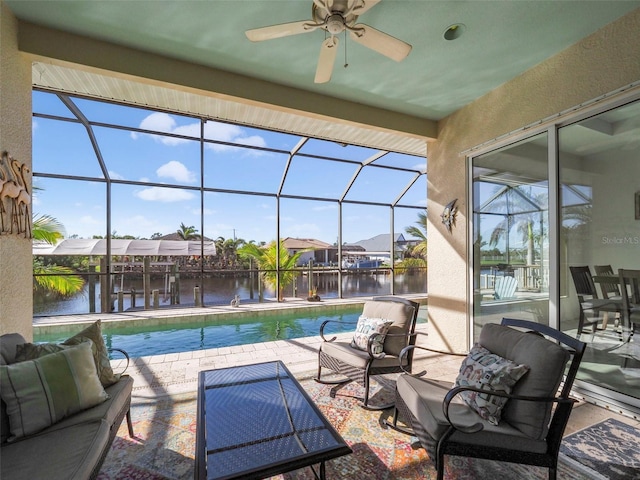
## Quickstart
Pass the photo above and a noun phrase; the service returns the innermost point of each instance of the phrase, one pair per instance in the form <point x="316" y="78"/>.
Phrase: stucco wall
<point x="16" y="300"/>
<point x="601" y="63"/>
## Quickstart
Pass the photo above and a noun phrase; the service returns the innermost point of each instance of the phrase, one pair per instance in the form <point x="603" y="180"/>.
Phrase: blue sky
<point x="156" y="160"/>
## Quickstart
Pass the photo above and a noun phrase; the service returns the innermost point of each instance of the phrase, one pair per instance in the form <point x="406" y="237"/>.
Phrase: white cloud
<point x="163" y="122"/>
<point x="167" y="195"/>
<point x="253" y="140"/>
<point x="224" y="132"/>
<point x="34" y="125"/>
<point x="420" y="166"/>
<point x="158" y="121"/>
<point x="115" y="175"/>
<point x="176" y="171"/>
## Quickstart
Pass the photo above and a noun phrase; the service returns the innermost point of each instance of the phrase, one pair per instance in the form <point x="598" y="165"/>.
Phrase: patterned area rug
<point x="164" y="443"/>
<point x="611" y="448"/>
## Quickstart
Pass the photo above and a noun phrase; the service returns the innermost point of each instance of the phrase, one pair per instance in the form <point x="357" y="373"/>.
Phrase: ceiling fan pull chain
<point x="346" y="63"/>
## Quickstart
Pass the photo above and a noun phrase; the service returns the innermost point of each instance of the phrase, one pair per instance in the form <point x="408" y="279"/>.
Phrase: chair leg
<point x="129" y="423"/>
<point x="394" y="423"/>
<point x="365" y="403"/>
<point x="552" y="473"/>
<point x="329" y="382"/>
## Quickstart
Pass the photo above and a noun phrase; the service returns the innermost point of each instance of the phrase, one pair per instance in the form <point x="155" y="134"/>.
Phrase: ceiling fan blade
<point x="362" y="6"/>
<point x="324" y="6"/>
<point x="381" y="42"/>
<point x="328" y="53"/>
<point x="281" y="30"/>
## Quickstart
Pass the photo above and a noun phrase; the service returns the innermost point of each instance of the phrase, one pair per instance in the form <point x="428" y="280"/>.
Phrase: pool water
<point x="140" y="341"/>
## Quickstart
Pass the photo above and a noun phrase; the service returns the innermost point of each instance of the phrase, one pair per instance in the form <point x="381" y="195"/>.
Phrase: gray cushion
<point x="76" y="453"/>
<point x="8" y="343"/>
<point x="546" y="361"/>
<point x="344" y="352"/>
<point x="401" y="315"/>
<point x="424" y="400"/>
<point x="41" y="392"/>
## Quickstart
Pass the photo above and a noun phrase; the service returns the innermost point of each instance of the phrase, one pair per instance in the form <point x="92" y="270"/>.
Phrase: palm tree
<point x="53" y="278"/>
<point x="523" y="209"/>
<point x="420" y="249"/>
<point x="187" y="233"/>
<point x="269" y="262"/>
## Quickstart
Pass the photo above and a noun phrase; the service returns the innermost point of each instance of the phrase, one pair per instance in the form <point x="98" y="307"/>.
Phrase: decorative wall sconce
<point x="449" y="214"/>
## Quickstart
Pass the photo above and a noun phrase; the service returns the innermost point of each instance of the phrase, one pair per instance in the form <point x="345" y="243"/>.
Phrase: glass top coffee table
<point x="255" y="421"/>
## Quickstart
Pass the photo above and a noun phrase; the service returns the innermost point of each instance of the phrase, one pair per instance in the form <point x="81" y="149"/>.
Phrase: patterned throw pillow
<point x="41" y="392"/>
<point x="488" y="371"/>
<point x="371" y="327"/>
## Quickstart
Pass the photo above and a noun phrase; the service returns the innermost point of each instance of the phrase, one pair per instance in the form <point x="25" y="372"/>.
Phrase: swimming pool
<point x="139" y="341"/>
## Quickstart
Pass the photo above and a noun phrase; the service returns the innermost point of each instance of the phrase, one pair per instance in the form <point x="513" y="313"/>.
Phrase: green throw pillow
<point x="100" y="353"/>
<point x="488" y="371"/>
<point x="31" y="351"/>
<point x="41" y="392"/>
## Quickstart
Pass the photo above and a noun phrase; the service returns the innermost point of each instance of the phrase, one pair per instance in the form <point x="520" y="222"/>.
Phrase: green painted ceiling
<point x="502" y="39"/>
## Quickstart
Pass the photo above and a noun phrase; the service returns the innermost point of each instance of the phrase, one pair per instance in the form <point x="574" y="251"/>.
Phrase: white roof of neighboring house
<point x="92" y="246"/>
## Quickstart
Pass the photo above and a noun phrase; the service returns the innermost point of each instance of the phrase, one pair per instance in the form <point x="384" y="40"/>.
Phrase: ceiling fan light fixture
<point x="335" y="24"/>
<point x="455" y="31"/>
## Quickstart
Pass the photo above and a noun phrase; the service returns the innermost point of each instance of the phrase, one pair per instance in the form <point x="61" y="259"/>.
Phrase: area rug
<point x="611" y="448"/>
<point x="164" y="443"/>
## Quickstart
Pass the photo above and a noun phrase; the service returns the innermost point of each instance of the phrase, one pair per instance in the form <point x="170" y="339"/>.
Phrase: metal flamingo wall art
<point x="15" y="198"/>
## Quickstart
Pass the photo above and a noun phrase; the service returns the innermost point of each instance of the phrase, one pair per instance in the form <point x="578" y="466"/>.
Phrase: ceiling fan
<point x="334" y="17"/>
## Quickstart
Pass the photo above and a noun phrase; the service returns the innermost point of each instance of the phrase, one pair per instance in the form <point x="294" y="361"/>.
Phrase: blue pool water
<point x="141" y="341"/>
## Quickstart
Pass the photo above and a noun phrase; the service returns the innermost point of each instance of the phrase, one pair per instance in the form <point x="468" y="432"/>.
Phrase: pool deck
<point x="176" y="373"/>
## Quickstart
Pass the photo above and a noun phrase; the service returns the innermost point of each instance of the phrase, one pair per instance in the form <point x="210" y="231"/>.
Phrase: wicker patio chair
<point x="359" y="365"/>
<point x="529" y="430"/>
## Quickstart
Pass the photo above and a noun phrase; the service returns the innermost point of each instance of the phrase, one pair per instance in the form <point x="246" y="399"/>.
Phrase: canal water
<point x="222" y="290"/>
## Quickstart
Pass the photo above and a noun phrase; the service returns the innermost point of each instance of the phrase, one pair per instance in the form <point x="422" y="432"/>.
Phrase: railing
<point x="529" y="277"/>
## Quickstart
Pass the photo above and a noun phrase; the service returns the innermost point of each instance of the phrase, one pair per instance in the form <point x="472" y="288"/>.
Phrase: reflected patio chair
<point x="590" y="304"/>
<point x="630" y="289"/>
<point x="359" y="365"/>
<point x="523" y="369"/>
<point x="609" y="289"/>
<point x="505" y="287"/>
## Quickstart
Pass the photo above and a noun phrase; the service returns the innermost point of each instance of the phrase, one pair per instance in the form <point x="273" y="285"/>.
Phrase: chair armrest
<point x="478" y="426"/>
<point x="332" y="321"/>
<point x="126" y="356"/>
<point x="404" y="352"/>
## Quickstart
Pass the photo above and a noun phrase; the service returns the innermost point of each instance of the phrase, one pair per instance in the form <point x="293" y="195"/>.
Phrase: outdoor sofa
<point x="47" y="432"/>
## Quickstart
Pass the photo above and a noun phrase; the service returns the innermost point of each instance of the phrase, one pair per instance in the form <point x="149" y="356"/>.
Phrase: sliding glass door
<point x="510" y="233"/>
<point x="581" y="179"/>
<point x="599" y="160"/>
